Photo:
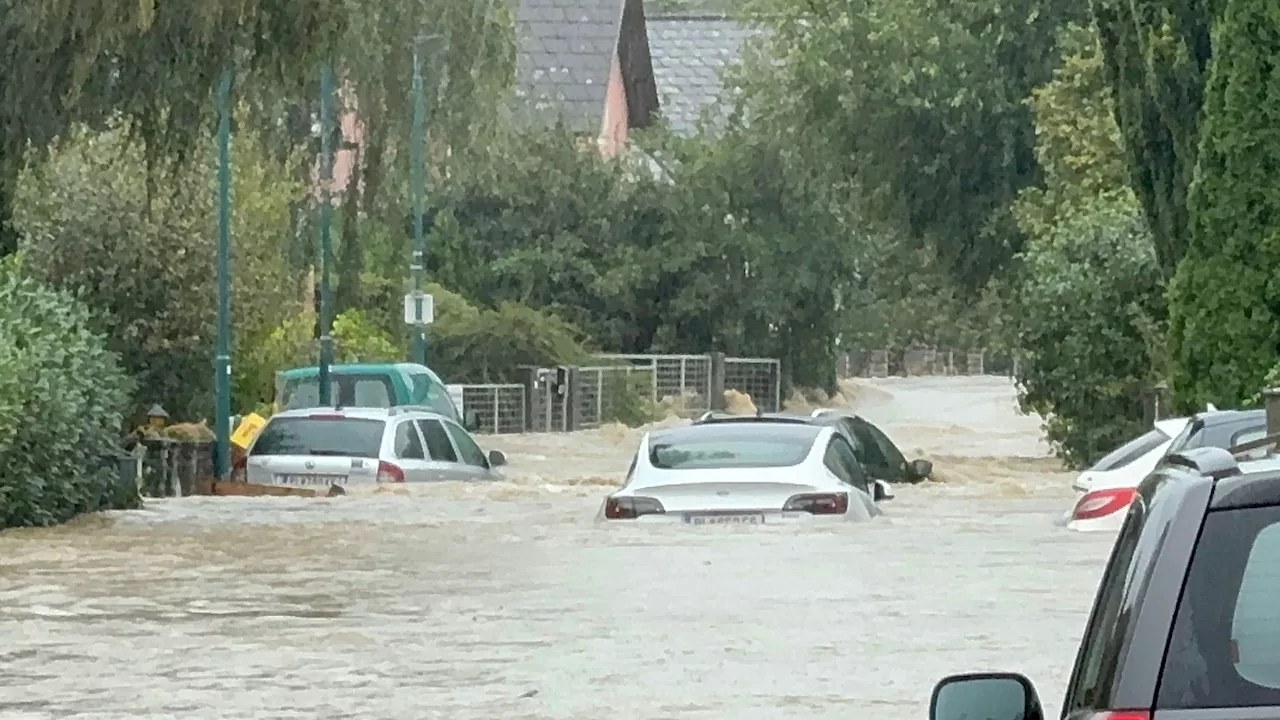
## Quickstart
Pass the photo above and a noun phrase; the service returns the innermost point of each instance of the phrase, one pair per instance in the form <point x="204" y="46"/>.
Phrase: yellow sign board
<point x="247" y="430"/>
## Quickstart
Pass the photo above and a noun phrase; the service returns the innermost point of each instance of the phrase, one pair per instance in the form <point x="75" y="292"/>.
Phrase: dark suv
<point x="1186" y="621"/>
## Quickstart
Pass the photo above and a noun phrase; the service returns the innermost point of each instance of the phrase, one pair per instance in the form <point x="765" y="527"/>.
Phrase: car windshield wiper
<point x="340" y="453"/>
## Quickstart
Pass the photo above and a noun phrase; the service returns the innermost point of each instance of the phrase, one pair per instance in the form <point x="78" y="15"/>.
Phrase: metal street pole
<point x="222" y="358"/>
<point x="418" y="351"/>
<point x="326" y="211"/>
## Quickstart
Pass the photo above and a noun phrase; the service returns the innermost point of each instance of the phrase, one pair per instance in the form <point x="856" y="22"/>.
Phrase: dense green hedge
<point x="61" y="400"/>
<point x="1224" y="299"/>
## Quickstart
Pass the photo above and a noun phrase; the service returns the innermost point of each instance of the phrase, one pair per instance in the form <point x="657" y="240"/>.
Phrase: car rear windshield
<point x="724" y="448"/>
<point x="346" y="437"/>
<point x="1130" y="451"/>
<point x="1224" y="651"/>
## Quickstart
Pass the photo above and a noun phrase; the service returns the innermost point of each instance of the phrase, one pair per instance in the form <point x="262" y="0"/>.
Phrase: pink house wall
<point x="613" y="128"/>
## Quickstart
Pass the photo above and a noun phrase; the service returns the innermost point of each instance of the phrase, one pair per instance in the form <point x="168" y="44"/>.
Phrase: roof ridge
<point x="699" y="17"/>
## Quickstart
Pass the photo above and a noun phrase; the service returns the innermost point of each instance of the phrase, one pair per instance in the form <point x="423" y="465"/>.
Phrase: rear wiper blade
<point x="340" y="453"/>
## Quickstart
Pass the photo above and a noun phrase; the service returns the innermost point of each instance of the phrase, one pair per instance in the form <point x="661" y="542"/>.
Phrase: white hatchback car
<point x="324" y="447"/>
<point x="745" y="473"/>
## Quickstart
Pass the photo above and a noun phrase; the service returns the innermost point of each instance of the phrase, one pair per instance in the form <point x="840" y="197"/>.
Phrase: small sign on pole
<point x="419" y="308"/>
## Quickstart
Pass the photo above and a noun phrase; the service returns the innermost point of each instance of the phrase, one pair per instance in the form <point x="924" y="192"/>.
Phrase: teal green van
<point x="367" y="385"/>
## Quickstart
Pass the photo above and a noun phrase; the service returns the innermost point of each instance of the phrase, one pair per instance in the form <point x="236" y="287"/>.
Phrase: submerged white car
<point x="1106" y="487"/>
<point x="745" y="473"/>
<point x="1109" y="487"/>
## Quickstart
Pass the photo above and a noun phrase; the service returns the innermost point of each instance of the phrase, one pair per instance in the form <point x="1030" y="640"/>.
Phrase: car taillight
<point x="629" y="508"/>
<point x="1120" y="715"/>
<point x="239" y="471"/>
<point x="818" y="503"/>
<point x="1101" y="503"/>
<point x="388" y="473"/>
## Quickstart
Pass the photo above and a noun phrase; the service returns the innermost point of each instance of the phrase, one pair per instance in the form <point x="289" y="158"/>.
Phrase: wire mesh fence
<point x="499" y="408"/>
<point x="756" y="377"/>
<point x="678" y="380"/>
<point x="925" y="361"/>
<point x="613" y="393"/>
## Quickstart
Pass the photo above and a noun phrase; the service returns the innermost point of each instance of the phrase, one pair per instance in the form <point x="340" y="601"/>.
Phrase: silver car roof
<point x="365" y="413"/>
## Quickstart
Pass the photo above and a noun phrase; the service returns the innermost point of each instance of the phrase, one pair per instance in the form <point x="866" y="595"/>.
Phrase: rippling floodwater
<point x="508" y="601"/>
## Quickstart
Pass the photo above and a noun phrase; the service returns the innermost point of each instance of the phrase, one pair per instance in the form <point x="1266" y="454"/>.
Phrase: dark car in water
<point x="1185" y="624"/>
<point x="880" y="457"/>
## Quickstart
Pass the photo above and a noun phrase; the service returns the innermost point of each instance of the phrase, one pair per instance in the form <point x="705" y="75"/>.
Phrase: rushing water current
<point x="509" y="601"/>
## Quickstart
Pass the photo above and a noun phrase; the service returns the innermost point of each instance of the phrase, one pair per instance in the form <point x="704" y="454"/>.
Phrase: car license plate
<point x="753" y="519"/>
<point x="325" y="480"/>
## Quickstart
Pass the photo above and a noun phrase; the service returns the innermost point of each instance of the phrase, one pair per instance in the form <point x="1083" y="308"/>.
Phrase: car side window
<point x="471" y="452"/>
<point x="1224" y="651"/>
<point x="1249" y="435"/>
<point x="842" y="463"/>
<point x="893" y="458"/>
<point x="1098" y="657"/>
<point x="437" y="441"/>
<point x="868" y="451"/>
<point x="407" y="444"/>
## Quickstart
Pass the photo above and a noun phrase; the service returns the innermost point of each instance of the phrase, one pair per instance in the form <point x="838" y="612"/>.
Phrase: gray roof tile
<point x="566" y="48"/>
<point x="690" y="55"/>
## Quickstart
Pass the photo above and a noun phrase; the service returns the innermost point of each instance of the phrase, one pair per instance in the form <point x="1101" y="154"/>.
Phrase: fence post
<point x="600" y="394"/>
<point x="527" y="375"/>
<point x="572" y="411"/>
<point x="715" y="381"/>
<point x="775" y="379"/>
<point x="1271" y="400"/>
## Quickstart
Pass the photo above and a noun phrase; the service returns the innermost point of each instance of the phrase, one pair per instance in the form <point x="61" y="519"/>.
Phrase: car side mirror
<point x="471" y="420"/>
<point x="883" y="490"/>
<point x="991" y="696"/>
<point x="919" y="469"/>
<point x="497" y="458"/>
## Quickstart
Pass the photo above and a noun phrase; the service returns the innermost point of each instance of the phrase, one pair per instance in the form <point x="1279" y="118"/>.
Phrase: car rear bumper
<point x="693" y="518"/>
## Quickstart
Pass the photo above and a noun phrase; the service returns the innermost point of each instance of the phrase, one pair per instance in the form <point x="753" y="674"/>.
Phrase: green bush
<point x="629" y="402"/>
<point x="1224" y="299"/>
<point x="62" y="394"/>
<point x="488" y="346"/>
<point x="1084" y="316"/>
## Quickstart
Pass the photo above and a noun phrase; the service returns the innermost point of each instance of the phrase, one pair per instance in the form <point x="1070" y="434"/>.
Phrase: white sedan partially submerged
<point x="745" y="473"/>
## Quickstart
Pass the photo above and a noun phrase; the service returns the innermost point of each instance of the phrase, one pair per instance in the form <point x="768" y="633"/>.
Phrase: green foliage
<point x="61" y="398"/>
<point x="1090" y="292"/>
<point x="1157" y="56"/>
<point x="488" y="346"/>
<point x="629" y="402"/>
<point x="1224" y="299"/>
<point x="1089" y="303"/>
<point x="147" y="261"/>
<point x="156" y="62"/>
<point x="922" y="102"/>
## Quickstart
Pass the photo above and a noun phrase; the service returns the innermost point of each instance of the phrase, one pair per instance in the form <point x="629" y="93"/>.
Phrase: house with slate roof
<point x="586" y="63"/>
<point x="690" y="56"/>
<point x="603" y="69"/>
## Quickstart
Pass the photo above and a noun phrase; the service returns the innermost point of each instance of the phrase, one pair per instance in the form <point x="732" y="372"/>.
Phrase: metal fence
<point x="758" y="377"/>
<point x="925" y="361"/>
<point x="689" y="384"/>
<point x="499" y="408"/>
<point x="605" y="392"/>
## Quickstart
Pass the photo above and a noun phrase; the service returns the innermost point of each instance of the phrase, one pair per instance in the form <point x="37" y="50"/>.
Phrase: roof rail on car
<point x="1213" y="462"/>
<point x="1270" y="442"/>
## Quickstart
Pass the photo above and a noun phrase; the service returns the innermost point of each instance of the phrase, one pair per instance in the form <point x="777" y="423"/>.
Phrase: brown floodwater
<point x="507" y="600"/>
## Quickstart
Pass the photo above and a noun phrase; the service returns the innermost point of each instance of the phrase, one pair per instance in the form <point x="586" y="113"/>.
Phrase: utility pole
<point x="326" y="251"/>
<point x="414" y="311"/>
<point x="222" y="357"/>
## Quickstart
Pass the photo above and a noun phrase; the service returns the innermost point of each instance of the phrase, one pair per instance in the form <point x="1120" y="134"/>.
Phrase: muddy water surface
<point x="508" y="601"/>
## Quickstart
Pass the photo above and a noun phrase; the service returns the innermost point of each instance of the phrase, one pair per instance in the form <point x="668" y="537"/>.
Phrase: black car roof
<point x="762" y="428"/>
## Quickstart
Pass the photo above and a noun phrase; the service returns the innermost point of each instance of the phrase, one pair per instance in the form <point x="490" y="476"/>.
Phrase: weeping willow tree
<point x="85" y="61"/>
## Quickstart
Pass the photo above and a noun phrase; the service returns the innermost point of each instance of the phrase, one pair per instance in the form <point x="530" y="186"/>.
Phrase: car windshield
<point x="730" y="447"/>
<point x="342" y="436"/>
<point x="1130" y="451"/>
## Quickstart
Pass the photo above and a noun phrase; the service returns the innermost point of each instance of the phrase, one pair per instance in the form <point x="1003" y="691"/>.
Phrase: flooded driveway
<point x="508" y="601"/>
